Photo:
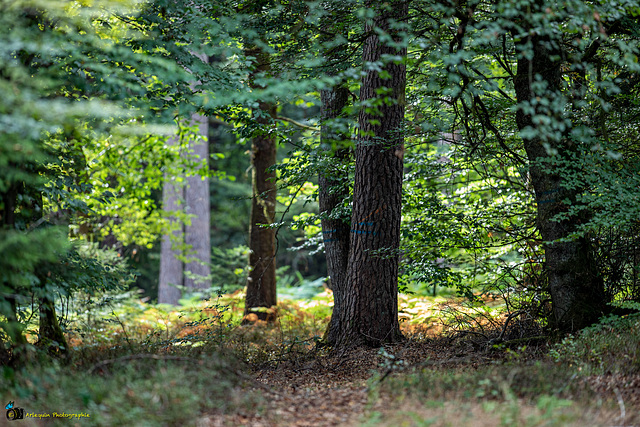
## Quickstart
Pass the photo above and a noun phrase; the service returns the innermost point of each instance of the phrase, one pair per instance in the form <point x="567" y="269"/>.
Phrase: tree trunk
<point x="50" y="332"/>
<point x="332" y="192"/>
<point x="261" y="283"/>
<point x="171" y="266"/>
<point x="198" y="231"/>
<point x="191" y="241"/>
<point x="576" y="287"/>
<point x="369" y="313"/>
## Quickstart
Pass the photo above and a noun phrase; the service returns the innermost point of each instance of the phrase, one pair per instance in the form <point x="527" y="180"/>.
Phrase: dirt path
<point x="320" y="391"/>
<point x="324" y="390"/>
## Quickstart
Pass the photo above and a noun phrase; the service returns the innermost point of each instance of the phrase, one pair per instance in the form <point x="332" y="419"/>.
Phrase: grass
<point x="610" y="346"/>
<point x="137" y="364"/>
<point x="591" y="378"/>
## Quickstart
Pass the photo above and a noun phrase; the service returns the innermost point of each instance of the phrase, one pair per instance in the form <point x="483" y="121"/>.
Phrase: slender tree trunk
<point x="49" y="330"/>
<point x="576" y="287"/>
<point x="261" y="283"/>
<point x="369" y="314"/>
<point x="332" y="192"/>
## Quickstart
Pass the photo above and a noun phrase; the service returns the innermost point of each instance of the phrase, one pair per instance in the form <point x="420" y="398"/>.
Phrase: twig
<point x="298" y="124"/>
<point x="623" y="411"/>
<point x="506" y="323"/>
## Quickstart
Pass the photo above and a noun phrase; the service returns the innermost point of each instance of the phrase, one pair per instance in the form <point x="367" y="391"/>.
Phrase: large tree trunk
<point x="332" y="192"/>
<point x="194" y="239"/>
<point x="261" y="283"/>
<point x="332" y="188"/>
<point x="198" y="232"/>
<point x="576" y="287"/>
<point x="171" y="266"/>
<point x="369" y="313"/>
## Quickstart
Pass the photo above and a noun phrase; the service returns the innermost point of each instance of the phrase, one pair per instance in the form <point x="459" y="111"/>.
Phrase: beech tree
<point x="531" y="90"/>
<point x="186" y="252"/>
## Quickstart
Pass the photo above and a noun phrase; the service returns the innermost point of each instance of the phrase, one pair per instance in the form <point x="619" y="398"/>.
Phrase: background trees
<point x="519" y="174"/>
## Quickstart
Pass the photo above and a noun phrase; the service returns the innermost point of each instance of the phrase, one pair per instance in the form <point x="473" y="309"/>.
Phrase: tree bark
<point x="576" y="287"/>
<point x="193" y="240"/>
<point x="261" y="283"/>
<point x="198" y="230"/>
<point x="369" y="313"/>
<point x="335" y="230"/>
<point x="171" y="266"/>
<point x="49" y="329"/>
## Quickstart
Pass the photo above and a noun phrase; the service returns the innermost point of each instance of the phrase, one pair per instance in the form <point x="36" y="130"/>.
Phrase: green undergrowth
<point x="610" y="346"/>
<point x="501" y="394"/>
<point x="132" y="390"/>
<point x="551" y="388"/>
<point x="131" y="363"/>
<point x="135" y="363"/>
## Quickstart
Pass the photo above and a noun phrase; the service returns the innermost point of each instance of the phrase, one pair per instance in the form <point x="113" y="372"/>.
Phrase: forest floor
<point x="349" y="390"/>
<point x="460" y="365"/>
<point x="443" y="377"/>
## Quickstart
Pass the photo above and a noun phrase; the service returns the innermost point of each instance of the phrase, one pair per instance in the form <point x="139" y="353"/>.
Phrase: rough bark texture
<point x="171" y="267"/>
<point x="335" y="231"/>
<point x="261" y="283"/>
<point x="576" y="287"/>
<point x="369" y="314"/>
<point x="197" y="234"/>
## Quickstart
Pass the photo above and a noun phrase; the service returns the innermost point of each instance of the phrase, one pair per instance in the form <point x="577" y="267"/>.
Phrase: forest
<point x="331" y="213"/>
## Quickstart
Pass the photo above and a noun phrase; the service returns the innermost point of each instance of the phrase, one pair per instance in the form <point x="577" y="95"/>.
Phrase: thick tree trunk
<point x="194" y="239"/>
<point x="576" y="287"/>
<point x="335" y="230"/>
<point x="198" y="232"/>
<point x="171" y="266"/>
<point x="261" y="283"/>
<point x="369" y="314"/>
